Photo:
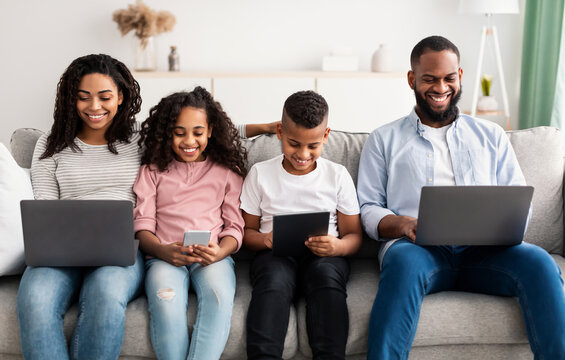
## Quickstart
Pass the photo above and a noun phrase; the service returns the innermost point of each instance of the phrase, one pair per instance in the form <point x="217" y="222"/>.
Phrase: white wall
<point x="38" y="40"/>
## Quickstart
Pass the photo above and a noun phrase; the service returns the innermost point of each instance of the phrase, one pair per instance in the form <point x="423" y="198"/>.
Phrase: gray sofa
<point x="453" y="325"/>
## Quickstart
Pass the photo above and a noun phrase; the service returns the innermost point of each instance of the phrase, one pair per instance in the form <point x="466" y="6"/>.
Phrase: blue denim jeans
<point x="411" y="271"/>
<point x="45" y="294"/>
<point x="167" y="294"/>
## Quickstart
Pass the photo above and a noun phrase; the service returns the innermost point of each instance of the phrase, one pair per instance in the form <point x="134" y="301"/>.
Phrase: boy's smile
<point x="301" y="146"/>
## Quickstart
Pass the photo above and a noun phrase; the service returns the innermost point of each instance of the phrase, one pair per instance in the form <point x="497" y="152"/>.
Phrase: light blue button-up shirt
<point x="397" y="160"/>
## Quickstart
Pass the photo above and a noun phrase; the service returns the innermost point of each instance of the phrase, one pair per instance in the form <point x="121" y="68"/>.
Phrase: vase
<point x="487" y="103"/>
<point x="145" y="54"/>
<point x="381" y="60"/>
<point x="174" y="61"/>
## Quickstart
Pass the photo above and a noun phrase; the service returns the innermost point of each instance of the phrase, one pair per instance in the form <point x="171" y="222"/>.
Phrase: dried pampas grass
<point x="144" y="21"/>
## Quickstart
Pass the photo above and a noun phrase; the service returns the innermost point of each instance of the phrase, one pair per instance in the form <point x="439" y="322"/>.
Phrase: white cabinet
<point x="257" y="99"/>
<point x="155" y="86"/>
<point x="359" y="102"/>
<point x="363" y="104"/>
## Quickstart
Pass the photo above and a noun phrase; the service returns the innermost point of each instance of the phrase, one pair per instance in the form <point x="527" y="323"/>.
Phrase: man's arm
<point x="371" y="188"/>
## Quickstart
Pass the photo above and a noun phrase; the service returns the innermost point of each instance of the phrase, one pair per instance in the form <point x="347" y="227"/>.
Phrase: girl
<point x="90" y="153"/>
<point x="191" y="178"/>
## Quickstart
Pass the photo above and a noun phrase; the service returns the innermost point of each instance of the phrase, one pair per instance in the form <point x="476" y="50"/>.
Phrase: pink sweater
<point x="189" y="196"/>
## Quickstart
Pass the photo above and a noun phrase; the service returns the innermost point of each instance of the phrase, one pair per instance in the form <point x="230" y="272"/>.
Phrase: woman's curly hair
<point x="68" y="123"/>
<point x="224" y="146"/>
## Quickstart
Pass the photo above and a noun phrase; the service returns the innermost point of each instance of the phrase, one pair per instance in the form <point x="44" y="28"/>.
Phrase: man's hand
<point x="395" y="226"/>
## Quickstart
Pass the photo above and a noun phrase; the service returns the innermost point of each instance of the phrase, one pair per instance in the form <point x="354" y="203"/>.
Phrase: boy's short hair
<point x="305" y="108"/>
<point x="434" y="43"/>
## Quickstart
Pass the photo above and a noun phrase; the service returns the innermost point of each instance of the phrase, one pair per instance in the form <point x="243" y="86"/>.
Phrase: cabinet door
<point x="257" y="100"/>
<point x="363" y="104"/>
<point x="155" y="88"/>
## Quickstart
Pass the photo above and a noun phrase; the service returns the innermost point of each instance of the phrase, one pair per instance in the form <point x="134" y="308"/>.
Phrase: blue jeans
<point x="411" y="271"/>
<point x="46" y="293"/>
<point x="167" y="294"/>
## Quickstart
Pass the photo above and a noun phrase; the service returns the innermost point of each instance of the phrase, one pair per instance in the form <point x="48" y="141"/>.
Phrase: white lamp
<point x="488" y="8"/>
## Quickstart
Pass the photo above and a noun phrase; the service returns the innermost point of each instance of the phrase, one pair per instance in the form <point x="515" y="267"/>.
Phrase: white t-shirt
<point x="443" y="168"/>
<point x="269" y="189"/>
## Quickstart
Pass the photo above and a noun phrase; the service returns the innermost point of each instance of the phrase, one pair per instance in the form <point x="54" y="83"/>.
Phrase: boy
<point x="299" y="181"/>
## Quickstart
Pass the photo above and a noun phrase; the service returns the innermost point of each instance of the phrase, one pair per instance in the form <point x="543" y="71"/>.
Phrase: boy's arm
<point x="349" y="227"/>
<point x="349" y="242"/>
<point x="252" y="238"/>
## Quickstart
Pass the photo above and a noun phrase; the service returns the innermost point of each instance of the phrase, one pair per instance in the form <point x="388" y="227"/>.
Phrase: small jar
<point x="174" y="62"/>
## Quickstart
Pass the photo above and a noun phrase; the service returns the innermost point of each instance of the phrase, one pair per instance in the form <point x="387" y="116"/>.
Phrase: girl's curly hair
<point x="67" y="122"/>
<point x="224" y="146"/>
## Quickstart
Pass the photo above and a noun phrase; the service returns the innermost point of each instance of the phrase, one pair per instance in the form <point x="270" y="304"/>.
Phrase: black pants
<point x="275" y="280"/>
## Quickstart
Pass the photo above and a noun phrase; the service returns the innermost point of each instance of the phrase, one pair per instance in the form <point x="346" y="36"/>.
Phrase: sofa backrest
<point x="539" y="152"/>
<point x="342" y="147"/>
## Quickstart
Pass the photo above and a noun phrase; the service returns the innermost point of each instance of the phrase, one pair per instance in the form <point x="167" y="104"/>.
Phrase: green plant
<point x="486" y="82"/>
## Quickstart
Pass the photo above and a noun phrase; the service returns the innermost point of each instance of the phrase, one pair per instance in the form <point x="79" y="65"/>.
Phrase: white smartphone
<point x="194" y="237"/>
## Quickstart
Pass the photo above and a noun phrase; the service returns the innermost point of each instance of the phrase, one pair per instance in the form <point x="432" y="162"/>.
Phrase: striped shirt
<point x="92" y="173"/>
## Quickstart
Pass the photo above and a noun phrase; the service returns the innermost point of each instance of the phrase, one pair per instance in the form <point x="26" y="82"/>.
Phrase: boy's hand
<point x="207" y="254"/>
<point x="327" y="245"/>
<point x="268" y="240"/>
<point x="176" y="254"/>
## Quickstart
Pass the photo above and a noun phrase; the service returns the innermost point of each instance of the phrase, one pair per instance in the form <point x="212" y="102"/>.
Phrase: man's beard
<point x="448" y="114"/>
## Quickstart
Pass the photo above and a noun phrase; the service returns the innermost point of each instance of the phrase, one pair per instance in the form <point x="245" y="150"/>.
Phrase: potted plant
<point x="487" y="102"/>
<point x="146" y="23"/>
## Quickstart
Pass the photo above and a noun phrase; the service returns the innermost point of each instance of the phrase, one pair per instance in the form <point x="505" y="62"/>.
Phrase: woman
<point x="91" y="152"/>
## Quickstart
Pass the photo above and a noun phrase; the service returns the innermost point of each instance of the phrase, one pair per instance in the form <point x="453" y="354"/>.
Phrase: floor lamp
<point x="488" y="8"/>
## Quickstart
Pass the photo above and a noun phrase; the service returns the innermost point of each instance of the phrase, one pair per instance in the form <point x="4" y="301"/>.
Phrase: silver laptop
<point x="78" y="232"/>
<point x="473" y="215"/>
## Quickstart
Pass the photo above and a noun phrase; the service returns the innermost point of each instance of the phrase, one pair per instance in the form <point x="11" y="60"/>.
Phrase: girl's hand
<point x="207" y="254"/>
<point x="176" y="254"/>
<point x="326" y="245"/>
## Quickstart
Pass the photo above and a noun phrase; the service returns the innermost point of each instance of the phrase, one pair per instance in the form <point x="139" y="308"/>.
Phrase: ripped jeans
<point x="167" y="294"/>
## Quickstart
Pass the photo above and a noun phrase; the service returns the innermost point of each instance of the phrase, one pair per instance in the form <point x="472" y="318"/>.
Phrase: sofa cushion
<point x="545" y="174"/>
<point x="137" y="342"/>
<point x="446" y="318"/>
<point x="22" y="144"/>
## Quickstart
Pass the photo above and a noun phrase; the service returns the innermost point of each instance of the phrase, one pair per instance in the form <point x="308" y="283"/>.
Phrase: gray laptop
<point x="473" y="215"/>
<point x="78" y="232"/>
<point x="290" y="231"/>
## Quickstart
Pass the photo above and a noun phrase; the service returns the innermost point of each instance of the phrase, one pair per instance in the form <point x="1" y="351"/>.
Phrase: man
<point x="436" y="145"/>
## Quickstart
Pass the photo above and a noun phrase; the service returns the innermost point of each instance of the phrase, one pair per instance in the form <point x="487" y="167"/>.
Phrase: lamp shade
<point x="489" y="6"/>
